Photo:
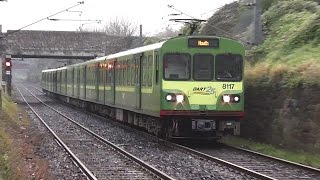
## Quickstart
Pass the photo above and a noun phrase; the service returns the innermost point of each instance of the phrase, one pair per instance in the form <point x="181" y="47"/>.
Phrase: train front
<point x="202" y="92"/>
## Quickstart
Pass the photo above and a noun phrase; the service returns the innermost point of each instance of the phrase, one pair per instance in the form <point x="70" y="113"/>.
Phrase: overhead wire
<point x="12" y="32"/>
<point x="221" y="30"/>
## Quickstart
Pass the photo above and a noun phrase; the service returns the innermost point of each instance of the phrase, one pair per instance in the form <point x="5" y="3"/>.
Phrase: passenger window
<point x="144" y="71"/>
<point x="124" y="72"/>
<point x="128" y="72"/>
<point x="150" y="70"/>
<point x="157" y="69"/>
<point x="132" y="72"/>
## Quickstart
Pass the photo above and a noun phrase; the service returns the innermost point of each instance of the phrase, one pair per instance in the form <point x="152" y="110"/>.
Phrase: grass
<point x="9" y="155"/>
<point x="302" y="75"/>
<point x="298" y="157"/>
<point x="4" y="144"/>
<point x="292" y="43"/>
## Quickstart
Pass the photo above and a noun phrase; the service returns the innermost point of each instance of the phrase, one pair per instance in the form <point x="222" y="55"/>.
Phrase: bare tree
<point x="120" y="27"/>
<point x="167" y="33"/>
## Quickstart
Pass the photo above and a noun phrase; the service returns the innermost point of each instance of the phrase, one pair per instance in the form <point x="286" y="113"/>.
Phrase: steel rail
<point x="309" y="168"/>
<point x="155" y="171"/>
<point x="221" y="161"/>
<point x="61" y="143"/>
<point x="202" y="155"/>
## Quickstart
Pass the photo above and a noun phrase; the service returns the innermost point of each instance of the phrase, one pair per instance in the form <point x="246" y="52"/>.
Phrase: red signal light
<point x="8" y="63"/>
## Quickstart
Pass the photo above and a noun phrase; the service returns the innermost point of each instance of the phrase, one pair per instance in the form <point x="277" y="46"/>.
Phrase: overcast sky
<point x="152" y="14"/>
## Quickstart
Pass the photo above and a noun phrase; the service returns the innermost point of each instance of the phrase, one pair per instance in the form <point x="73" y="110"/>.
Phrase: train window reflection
<point x="203" y="67"/>
<point x="228" y="67"/>
<point x="176" y="66"/>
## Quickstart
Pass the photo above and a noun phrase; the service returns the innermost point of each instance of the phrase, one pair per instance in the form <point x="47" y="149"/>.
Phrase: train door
<point x="82" y="87"/>
<point x="78" y="83"/>
<point x="84" y="82"/>
<point x="113" y="82"/>
<point x="72" y="82"/>
<point x="65" y="82"/>
<point x="137" y="62"/>
<point x="97" y="81"/>
<point x="54" y="81"/>
<point x="110" y="83"/>
<point x="59" y="81"/>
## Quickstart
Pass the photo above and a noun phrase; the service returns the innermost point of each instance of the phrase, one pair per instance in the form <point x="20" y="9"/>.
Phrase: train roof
<point x="136" y="50"/>
<point x="49" y="70"/>
<point x="123" y="53"/>
<point x="128" y="52"/>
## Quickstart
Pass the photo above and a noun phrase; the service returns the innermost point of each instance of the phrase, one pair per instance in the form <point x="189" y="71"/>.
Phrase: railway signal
<point x="8" y="65"/>
<point x="7" y="72"/>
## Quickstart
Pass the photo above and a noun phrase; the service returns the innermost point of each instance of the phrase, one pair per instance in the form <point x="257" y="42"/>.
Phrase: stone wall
<point x="66" y="43"/>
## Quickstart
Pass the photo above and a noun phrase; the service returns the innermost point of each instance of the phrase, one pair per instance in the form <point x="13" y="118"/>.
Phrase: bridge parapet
<point x="64" y="43"/>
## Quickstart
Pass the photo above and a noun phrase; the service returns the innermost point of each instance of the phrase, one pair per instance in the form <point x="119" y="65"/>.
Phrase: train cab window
<point x="203" y="67"/>
<point x="176" y="66"/>
<point x="228" y="67"/>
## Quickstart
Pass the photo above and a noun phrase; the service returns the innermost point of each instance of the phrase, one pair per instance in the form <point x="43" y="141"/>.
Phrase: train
<point x="183" y="87"/>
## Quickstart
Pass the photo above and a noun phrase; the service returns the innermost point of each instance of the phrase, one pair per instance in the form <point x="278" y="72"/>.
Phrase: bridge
<point x="64" y="44"/>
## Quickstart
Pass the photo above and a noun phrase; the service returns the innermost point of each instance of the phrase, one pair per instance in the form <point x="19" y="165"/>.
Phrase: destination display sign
<point x="203" y="42"/>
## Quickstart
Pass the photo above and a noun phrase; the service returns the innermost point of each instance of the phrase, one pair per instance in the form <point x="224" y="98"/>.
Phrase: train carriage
<point x="185" y="87"/>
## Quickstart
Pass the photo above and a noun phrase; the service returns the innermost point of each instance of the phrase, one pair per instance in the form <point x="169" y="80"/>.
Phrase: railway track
<point x="96" y="157"/>
<point x="255" y="165"/>
<point x="174" y="162"/>
<point x="269" y="167"/>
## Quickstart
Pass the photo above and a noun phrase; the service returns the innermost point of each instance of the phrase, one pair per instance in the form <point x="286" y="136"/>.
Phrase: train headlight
<point x="226" y="98"/>
<point x="180" y="98"/>
<point x="170" y="97"/>
<point x="230" y="98"/>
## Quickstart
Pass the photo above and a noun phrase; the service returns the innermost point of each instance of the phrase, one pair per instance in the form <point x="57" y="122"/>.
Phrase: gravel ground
<point x="59" y="162"/>
<point x="272" y="168"/>
<point x="176" y="164"/>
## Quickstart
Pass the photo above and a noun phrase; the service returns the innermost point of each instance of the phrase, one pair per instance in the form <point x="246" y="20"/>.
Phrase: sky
<point x="154" y="15"/>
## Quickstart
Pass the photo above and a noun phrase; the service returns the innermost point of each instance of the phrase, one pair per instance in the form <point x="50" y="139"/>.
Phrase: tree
<point x="167" y="33"/>
<point x="120" y="35"/>
<point x="120" y="27"/>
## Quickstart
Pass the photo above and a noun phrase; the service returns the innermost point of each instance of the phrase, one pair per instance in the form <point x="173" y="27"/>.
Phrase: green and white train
<point x="184" y="87"/>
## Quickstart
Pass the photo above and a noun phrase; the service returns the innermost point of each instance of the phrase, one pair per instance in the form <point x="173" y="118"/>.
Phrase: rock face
<point x="286" y="117"/>
<point x="233" y="20"/>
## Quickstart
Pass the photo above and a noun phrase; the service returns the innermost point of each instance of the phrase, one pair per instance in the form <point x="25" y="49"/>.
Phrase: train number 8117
<point x="227" y="86"/>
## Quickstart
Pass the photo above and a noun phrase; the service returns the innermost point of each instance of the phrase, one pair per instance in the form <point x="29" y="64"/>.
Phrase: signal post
<point x="7" y="73"/>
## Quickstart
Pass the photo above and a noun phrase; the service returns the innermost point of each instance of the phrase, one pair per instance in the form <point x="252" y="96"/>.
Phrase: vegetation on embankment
<point x="282" y="78"/>
<point x="289" y="54"/>
<point x="11" y="123"/>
